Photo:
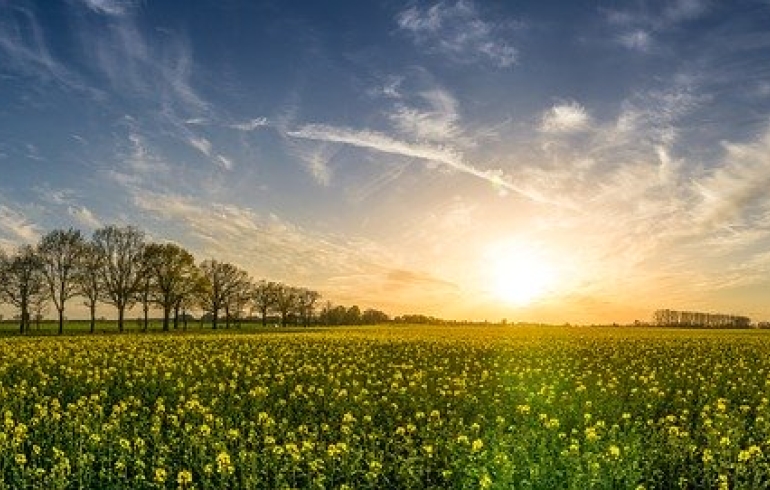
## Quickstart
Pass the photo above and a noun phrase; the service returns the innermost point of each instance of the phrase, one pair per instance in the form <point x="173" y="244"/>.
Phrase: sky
<point x="553" y="161"/>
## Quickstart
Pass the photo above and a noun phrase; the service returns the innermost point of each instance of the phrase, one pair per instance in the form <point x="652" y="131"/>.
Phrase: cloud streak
<point x="372" y="140"/>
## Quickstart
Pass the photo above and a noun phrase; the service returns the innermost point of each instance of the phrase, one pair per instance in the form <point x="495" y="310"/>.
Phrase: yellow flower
<point x="160" y="475"/>
<point x="614" y="451"/>
<point x="477" y="445"/>
<point x="224" y="465"/>
<point x="184" y="477"/>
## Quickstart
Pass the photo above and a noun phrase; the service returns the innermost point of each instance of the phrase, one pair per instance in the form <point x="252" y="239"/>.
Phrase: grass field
<point x="388" y="407"/>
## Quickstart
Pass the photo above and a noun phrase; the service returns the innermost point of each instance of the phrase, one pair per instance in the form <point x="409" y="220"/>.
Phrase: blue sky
<point x="411" y="156"/>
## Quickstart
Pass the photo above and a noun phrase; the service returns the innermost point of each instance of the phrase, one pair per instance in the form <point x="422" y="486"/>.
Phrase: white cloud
<point x="436" y="122"/>
<point x="376" y="141"/>
<point x="315" y="156"/>
<point x="458" y="31"/>
<point x="637" y="40"/>
<point x="565" y="118"/>
<point x="201" y="144"/>
<point x="110" y="7"/>
<point x="84" y="217"/>
<point x="18" y="226"/>
<point x="251" y="125"/>
<point x="738" y="188"/>
<point x="224" y="162"/>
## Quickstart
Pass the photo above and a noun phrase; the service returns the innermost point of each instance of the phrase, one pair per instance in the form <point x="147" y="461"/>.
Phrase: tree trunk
<point x="184" y="319"/>
<point x="214" y="320"/>
<point x="166" y="317"/>
<point x="264" y="317"/>
<point x="93" y="316"/>
<point x="176" y="316"/>
<point x="146" y="307"/>
<point x="121" y="312"/>
<point x="61" y="321"/>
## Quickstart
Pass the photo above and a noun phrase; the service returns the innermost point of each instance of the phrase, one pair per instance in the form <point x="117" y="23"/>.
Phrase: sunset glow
<point x="557" y="161"/>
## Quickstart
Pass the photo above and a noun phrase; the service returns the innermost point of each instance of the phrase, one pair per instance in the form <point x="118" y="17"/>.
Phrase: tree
<point x="21" y="282"/>
<point x="60" y="254"/>
<point x="88" y="279"/>
<point x="286" y="300"/>
<point x="373" y="317"/>
<point x="238" y="300"/>
<point x="144" y="292"/>
<point x="353" y="315"/>
<point x="306" y="300"/>
<point x="120" y="250"/>
<point x="264" y="298"/>
<point x="221" y="281"/>
<point x="170" y="268"/>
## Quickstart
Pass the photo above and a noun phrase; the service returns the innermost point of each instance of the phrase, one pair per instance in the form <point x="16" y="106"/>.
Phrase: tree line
<point x="676" y="318"/>
<point x="119" y="267"/>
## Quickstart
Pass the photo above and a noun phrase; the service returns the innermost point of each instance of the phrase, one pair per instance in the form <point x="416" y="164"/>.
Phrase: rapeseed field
<point x="388" y="407"/>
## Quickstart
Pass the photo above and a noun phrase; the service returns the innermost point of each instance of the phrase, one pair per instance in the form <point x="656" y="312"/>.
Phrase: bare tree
<point x="306" y="300"/>
<point x="286" y="300"/>
<point x="264" y="298"/>
<point x="88" y="279"/>
<point x="21" y="282"/>
<point x="60" y="253"/>
<point x="221" y="281"/>
<point x="120" y="250"/>
<point x="170" y="268"/>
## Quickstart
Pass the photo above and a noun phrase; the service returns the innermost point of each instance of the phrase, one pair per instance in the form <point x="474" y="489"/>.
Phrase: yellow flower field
<point x="388" y="407"/>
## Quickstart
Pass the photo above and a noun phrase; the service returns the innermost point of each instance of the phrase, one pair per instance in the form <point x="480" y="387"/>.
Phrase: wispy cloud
<point x="281" y="250"/>
<point x="315" y="156"/>
<point x="458" y="31"/>
<point x="565" y="118"/>
<point x="25" y="47"/>
<point x="224" y="162"/>
<point x="376" y="141"/>
<point x="639" y="40"/>
<point x="110" y="7"/>
<point x="17" y="226"/>
<point x="202" y="145"/>
<point x="737" y="191"/>
<point x="251" y="125"/>
<point x="638" y="28"/>
<point x="437" y="121"/>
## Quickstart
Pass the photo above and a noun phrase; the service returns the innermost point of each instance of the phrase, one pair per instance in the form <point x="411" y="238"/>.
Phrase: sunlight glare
<point x="520" y="275"/>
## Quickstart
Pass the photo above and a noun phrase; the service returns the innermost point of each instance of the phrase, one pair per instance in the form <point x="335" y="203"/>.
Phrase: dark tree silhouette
<point x="120" y="250"/>
<point x="21" y="282"/>
<point x="170" y="268"/>
<point x="60" y="254"/>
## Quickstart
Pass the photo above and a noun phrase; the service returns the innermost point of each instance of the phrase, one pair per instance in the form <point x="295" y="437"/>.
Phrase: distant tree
<point x="60" y="254"/>
<point x="189" y="296"/>
<point x="170" y="268"/>
<point x="373" y="317"/>
<point x="89" y="279"/>
<point x="353" y="315"/>
<point x="264" y="297"/>
<point x="286" y="300"/>
<point x="220" y="282"/>
<point x="306" y="300"/>
<point x="21" y="282"/>
<point x="237" y="301"/>
<point x="121" y="252"/>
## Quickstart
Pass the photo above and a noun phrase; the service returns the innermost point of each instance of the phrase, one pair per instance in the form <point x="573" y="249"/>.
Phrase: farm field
<point x="388" y="407"/>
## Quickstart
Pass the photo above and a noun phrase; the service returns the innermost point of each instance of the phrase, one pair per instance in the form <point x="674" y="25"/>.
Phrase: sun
<point x="520" y="275"/>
